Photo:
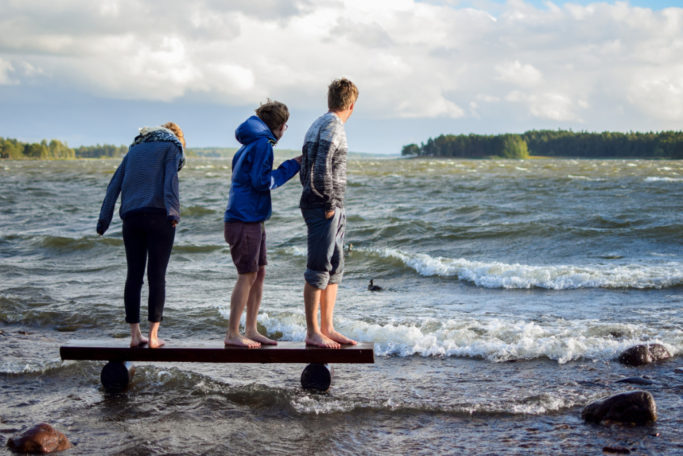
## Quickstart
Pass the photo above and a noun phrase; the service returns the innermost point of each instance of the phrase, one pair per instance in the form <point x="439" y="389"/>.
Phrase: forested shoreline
<point x="54" y="149"/>
<point x="544" y="143"/>
<point x="553" y="143"/>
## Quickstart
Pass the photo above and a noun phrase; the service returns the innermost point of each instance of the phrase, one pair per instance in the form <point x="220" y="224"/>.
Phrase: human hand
<point x="174" y="223"/>
<point x="329" y="214"/>
<point x="298" y="159"/>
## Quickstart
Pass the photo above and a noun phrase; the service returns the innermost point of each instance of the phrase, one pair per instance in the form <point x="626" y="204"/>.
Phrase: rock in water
<point x="637" y="407"/>
<point x="639" y="355"/>
<point x="636" y="381"/>
<point x="41" y="438"/>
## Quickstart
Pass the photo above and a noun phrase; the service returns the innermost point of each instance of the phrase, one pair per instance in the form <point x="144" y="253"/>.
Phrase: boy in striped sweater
<point x="323" y="177"/>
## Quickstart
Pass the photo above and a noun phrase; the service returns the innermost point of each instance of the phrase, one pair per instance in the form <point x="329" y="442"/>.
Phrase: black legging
<point x="146" y="234"/>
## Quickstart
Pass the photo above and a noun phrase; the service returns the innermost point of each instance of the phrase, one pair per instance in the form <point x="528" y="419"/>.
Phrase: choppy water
<point x="510" y="287"/>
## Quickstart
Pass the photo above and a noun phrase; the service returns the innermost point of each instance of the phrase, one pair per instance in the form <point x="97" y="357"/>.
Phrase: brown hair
<point x="341" y="94"/>
<point x="274" y="113"/>
<point x="176" y="131"/>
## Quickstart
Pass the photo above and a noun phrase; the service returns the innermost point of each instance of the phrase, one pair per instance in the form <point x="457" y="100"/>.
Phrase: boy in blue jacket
<point x="249" y="206"/>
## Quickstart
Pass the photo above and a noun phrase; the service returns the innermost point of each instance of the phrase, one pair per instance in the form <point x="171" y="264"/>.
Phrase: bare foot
<point x="320" y="340"/>
<point x="241" y="341"/>
<point x="335" y="336"/>
<point x="139" y="341"/>
<point x="258" y="337"/>
<point x="156" y="342"/>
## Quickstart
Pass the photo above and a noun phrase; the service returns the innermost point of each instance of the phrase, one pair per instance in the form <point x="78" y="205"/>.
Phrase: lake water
<point x="509" y="289"/>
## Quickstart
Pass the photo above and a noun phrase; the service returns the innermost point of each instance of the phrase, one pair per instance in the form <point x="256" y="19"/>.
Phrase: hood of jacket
<point x="253" y="129"/>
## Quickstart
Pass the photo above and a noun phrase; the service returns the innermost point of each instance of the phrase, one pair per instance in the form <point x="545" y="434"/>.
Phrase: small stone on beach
<point x="41" y="438"/>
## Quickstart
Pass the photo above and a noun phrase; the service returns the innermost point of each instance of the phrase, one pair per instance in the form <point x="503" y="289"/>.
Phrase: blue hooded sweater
<point x="147" y="178"/>
<point x="253" y="176"/>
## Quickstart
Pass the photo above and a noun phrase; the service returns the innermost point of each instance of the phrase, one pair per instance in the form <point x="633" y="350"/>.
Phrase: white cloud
<point x="658" y="92"/>
<point x="518" y="73"/>
<point x="5" y="69"/>
<point x="551" y="106"/>
<point x="410" y="59"/>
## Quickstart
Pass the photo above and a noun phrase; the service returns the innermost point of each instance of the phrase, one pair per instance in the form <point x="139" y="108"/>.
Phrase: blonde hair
<point x="273" y="113"/>
<point x="341" y="94"/>
<point x="176" y="131"/>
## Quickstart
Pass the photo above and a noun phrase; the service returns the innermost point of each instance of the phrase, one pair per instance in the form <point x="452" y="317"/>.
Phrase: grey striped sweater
<point x="323" y="165"/>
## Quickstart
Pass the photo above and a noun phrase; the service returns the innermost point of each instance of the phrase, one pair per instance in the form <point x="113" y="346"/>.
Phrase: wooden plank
<point x="216" y="352"/>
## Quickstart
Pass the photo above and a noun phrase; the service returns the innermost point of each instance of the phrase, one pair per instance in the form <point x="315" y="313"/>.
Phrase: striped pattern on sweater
<point x="323" y="165"/>
<point x="147" y="180"/>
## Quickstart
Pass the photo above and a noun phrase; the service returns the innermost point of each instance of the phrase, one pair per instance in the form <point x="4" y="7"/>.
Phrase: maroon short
<point x="247" y="245"/>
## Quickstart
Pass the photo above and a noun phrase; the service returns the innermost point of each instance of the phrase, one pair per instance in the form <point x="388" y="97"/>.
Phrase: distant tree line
<point x="55" y="150"/>
<point x="101" y="151"/>
<point x="211" y="152"/>
<point x="553" y="143"/>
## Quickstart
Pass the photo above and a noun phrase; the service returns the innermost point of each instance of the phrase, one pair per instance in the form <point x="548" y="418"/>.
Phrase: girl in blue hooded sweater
<point x="147" y="180"/>
<point x="249" y="206"/>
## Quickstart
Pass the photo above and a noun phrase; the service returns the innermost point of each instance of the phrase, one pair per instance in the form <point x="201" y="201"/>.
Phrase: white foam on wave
<point x="554" y="277"/>
<point x="497" y="339"/>
<point x="494" y="339"/>
<point x="296" y="251"/>
<point x="584" y="178"/>
<point x="663" y="179"/>
<point x="540" y="404"/>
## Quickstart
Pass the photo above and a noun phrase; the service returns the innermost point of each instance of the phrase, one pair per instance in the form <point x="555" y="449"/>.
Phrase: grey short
<point x="247" y="245"/>
<point x="325" y="262"/>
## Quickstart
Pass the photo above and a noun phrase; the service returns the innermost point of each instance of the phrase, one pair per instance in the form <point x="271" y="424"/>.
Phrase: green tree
<point x="513" y="146"/>
<point x="410" y="150"/>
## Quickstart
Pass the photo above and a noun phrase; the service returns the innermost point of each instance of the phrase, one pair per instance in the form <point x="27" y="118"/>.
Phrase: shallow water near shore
<point x="509" y="289"/>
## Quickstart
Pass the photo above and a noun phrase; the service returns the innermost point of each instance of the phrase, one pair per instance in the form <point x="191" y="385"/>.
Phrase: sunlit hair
<point x="341" y="94"/>
<point x="176" y="131"/>
<point x="273" y="113"/>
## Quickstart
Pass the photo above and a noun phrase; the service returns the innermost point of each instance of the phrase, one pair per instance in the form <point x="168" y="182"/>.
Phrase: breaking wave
<point x="495" y="274"/>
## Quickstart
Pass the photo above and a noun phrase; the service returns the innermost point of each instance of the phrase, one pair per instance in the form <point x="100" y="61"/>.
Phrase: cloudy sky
<point x="90" y="72"/>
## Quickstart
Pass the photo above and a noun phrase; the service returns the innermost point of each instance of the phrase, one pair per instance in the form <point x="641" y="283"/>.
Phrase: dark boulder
<point x="637" y="407"/>
<point x="41" y="438"/>
<point x="639" y="355"/>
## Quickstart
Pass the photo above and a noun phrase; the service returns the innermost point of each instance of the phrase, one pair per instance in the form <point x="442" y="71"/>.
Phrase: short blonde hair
<point x="176" y="131"/>
<point x="341" y="94"/>
<point x="273" y="113"/>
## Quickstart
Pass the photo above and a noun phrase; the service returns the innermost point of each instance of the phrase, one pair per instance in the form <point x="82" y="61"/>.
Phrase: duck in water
<point x="373" y="287"/>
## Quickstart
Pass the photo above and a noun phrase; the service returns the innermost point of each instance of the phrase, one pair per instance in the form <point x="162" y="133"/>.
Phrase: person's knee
<point x="156" y="280"/>
<point x="317" y="279"/>
<point x="249" y="278"/>
<point x="134" y="282"/>
<point x="260" y="275"/>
